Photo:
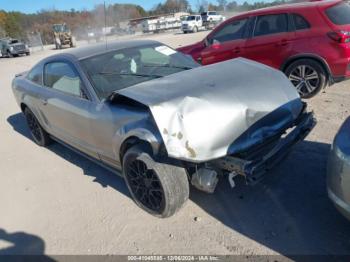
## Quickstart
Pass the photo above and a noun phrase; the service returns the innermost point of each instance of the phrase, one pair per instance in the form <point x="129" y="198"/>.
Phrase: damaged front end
<point x="225" y="124"/>
<point x="254" y="162"/>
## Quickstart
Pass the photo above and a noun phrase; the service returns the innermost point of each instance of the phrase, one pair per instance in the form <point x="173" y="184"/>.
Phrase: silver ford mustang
<point x="159" y="119"/>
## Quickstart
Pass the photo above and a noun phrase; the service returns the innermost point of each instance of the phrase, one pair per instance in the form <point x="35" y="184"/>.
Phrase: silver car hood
<point x="209" y="112"/>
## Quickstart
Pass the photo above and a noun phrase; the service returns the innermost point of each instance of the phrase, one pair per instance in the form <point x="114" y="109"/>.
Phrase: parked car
<point x="308" y="41"/>
<point x="11" y="47"/>
<point x="338" y="171"/>
<point x="212" y="16"/>
<point x="150" y="113"/>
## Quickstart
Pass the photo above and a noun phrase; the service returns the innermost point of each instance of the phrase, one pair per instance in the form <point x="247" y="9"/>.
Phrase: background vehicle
<point x="62" y="36"/>
<point x="12" y="47"/>
<point x="94" y="35"/>
<point x="161" y="24"/>
<point x="193" y="23"/>
<point x="212" y="16"/>
<point x="308" y="41"/>
<point x="338" y="171"/>
<point x="145" y="110"/>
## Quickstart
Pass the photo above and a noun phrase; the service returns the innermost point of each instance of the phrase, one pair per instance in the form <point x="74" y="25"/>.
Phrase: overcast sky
<point x="33" y="6"/>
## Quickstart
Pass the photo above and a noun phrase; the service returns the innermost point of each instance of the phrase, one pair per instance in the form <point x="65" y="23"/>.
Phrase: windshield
<point x="13" y="41"/>
<point x="339" y="14"/>
<point x="191" y="18"/>
<point x="119" y="69"/>
<point x="60" y="28"/>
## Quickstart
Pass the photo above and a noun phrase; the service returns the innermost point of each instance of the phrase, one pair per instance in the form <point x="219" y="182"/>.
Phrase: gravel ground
<point x="53" y="201"/>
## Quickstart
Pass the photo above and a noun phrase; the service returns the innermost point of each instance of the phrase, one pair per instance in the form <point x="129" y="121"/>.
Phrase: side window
<point x="271" y="24"/>
<point x="231" y="31"/>
<point x="61" y="76"/>
<point x="36" y="75"/>
<point x="300" y="22"/>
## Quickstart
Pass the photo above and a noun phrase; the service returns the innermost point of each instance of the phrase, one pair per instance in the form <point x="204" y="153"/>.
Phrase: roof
<point x="292" y="7"/>
<point x="96" y="49"/>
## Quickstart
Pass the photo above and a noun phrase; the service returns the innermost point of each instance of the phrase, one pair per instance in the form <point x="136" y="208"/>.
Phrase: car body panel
<point x="338" y="170"/>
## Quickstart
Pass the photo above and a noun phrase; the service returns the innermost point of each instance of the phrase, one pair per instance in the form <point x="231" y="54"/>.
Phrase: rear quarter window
<point x="36" y="75"/>
<point x="300" y="22"/>
<point x="339" y="14"/>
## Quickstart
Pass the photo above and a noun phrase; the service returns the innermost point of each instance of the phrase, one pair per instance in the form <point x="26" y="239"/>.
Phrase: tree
<point x="172" y="6"/>
<point x="12" y="25"/>
<point x="202" y="6"/>
<point x="222" y="4"/>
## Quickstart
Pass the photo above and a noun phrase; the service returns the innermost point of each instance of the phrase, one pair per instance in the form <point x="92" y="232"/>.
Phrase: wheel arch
<point x="23" y="106"/>
<point x="313" y="57"/>
<point x="139" y="136"/>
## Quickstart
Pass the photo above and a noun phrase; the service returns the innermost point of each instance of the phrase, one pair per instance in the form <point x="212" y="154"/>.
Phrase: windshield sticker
<point x="165" y="50"/>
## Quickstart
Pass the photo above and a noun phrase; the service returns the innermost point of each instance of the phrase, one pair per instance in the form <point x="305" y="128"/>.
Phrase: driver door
<point x="226" y="43"/>
<point x="65" y="107"/>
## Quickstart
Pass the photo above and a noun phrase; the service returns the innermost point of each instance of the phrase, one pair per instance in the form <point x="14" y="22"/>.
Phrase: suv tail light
<point x="340" y="36"/>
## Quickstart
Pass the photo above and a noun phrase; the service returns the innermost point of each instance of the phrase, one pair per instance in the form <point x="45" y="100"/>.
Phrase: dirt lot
<point x="53" y="201"/>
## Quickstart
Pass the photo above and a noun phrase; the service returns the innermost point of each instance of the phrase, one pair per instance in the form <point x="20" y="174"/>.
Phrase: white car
<point x="212" y="16"/>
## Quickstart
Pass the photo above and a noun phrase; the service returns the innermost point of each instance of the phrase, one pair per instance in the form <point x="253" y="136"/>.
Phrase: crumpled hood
<point x="207" y="112"/>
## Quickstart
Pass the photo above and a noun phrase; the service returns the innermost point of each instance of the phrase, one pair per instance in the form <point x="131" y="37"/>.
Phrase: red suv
<point x="309" y="41"/>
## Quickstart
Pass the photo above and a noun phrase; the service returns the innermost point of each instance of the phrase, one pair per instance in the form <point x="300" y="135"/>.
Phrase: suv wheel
<point x="160" y="189"/>
<point x="9" y="54"/>
<point x="195" y="29"/>
<point x="308" y="77"/>
<point x="39" y="135"/>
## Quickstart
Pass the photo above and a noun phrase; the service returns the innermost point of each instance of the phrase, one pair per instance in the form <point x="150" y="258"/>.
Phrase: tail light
<point x="340" y="36"/>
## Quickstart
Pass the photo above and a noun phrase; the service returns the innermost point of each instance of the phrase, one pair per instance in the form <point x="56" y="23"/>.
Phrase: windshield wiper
<point x="127" y="74"/>
<point x="170" y="66"/>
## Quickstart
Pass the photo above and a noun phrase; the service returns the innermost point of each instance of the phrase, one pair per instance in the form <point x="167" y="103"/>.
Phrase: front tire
<point x="308" y="76"/>
<point x="39" y="135"/>
<point x="195" y="29"/>
<point x="160" y="189"/>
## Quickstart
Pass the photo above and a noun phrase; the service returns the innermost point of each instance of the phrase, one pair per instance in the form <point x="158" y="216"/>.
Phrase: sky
<point x="33" y="6"/>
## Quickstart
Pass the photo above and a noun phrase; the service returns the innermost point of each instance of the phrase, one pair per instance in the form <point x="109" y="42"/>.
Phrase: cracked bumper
<point x="254" y="170"/>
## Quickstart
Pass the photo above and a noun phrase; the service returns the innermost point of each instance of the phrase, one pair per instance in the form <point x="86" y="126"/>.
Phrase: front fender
<point x="140" y="130"/>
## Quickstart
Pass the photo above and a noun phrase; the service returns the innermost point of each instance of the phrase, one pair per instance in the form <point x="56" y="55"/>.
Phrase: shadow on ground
<point x="101" y="175"/>
<point x="289" y="211"/>
<point x="21" y="243"/>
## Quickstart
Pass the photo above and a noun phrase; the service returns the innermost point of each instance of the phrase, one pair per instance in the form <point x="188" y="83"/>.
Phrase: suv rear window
<point x="339" y="14"/>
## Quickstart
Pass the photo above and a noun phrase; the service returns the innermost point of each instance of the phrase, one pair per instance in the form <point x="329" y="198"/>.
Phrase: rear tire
<point x="39" y="135"/>
<point x="159" y="189"/>
<point x="9" y="55"/>
<point x="308" y="76"/>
